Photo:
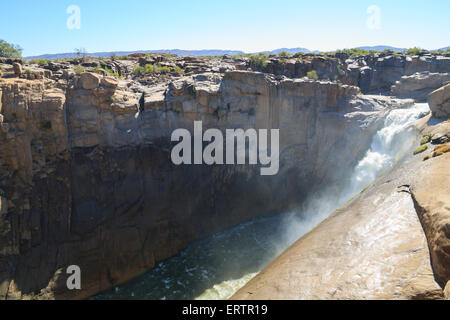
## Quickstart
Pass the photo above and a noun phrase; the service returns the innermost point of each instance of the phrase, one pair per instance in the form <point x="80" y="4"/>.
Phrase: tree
<point x="9" y="50"/>
<point x="81" y="53"/>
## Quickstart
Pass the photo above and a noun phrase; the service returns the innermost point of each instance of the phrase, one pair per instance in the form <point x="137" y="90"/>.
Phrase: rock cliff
<point x="86" y="175"/>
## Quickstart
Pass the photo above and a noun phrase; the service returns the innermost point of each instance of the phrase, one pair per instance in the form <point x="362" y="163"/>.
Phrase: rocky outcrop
<point x="378" y="245"/>
<point x="371" y="73"/>
<point x="439" y="101"/>
<point x="86" y="176"/>
<point x="419" y="85"/>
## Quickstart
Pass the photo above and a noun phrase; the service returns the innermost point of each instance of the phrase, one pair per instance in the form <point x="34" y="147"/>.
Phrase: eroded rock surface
<point x="439" y="102"/>
<point x="419" y="85"/>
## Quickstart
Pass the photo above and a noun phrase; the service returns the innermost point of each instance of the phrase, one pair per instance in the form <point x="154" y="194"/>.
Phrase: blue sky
<point x="40" y="26"/>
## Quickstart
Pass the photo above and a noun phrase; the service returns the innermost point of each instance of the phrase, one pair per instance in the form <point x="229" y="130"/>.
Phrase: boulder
<point x="17" y="68"/>
<point x="89" y="81"/>
<point x="109" y="82"/>
<point x="439" y="101"/>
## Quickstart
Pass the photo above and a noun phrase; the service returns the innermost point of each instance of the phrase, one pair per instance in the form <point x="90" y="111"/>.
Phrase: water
<point x="386" y="145"/>
<point x="216" y="267"/>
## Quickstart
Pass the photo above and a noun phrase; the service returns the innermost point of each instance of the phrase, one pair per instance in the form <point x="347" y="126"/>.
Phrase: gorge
<point x="87" y="177"/>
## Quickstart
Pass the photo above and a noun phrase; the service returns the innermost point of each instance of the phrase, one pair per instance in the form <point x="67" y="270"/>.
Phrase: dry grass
<point x="440" y="150"/>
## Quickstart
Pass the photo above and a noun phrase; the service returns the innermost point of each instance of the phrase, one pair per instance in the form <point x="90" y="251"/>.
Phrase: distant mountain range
<point x="212" y="52"/>
<point x="381" y="48"/>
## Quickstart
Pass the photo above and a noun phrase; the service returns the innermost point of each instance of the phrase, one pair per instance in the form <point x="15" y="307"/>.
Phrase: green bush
<point x="258" y="61"/>
<point x="312" y="75"/>
<point x="154" y="69"/>
<point x="425" y="139"/>
<point x="356" y="52"/>
<point x="178" y="70"/>
<point x="420" y="149"/>
<point x="413" y="51"/>
<point x="9" y="50"/>
<point x="41" y="62"/>
<point x="284" y="54"/>
<point x="79" y="69"/>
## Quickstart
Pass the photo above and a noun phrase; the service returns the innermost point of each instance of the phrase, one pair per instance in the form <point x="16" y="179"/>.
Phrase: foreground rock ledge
<point x="374" y="247"/>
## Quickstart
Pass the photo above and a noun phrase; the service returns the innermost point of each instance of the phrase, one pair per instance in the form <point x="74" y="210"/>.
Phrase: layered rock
<point x="419" y="85"/>
<point x="86" y="175"/>
<point x="439" y="101"/>
<point x="371" y="73"/>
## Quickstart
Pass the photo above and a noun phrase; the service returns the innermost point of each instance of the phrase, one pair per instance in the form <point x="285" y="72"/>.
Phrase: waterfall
<point x="217" y="267"/>
<point x="391" y="141"/>
<point x="385" y="146"/>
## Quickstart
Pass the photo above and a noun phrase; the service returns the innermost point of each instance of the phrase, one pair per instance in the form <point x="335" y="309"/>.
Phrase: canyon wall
<point x="371" y="73"/>
<point x="86" y="177"/>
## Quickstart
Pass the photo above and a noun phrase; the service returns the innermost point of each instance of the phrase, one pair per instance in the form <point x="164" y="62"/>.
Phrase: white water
<point x="386" y="145"/>
<point x="389" y="142"/>
<point x="217" y="267"/>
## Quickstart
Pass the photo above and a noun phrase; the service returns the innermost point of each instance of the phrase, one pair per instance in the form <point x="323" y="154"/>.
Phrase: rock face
<point x="439" y="102"/>
<point x="371" y="73"/>
<point x="375" y="246"/>
<point x="89" y="81"/>
<point x="86" y="176"/>
<point x="419" y="85"/>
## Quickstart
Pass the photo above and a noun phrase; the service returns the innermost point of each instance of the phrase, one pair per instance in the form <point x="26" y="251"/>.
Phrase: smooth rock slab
<point x="372" y="248"/>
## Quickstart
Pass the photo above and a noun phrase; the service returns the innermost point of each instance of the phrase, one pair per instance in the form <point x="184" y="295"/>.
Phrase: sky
<point x="47" y="26"/>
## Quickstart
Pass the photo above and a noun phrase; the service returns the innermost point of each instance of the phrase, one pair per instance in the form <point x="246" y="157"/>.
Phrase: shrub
<point x="148" y="68"/>
<point x="155" y="69"/>
<point x="258" y="61"/>
<point x="164" y="70"/>
<point x="312" y="75"/>
<point x="420" y="149"/>
<point x="79" y="69"/>
<point x="413" y="51"/>
<point x="177" y="70"/>
<point x="138" y="71"/>
<point x="425" y="139"/>
<point x="284" y="54"/>
<point x="356" y="52"/>
<point x="9" y="50"/>
<point x="41" y="62"/>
